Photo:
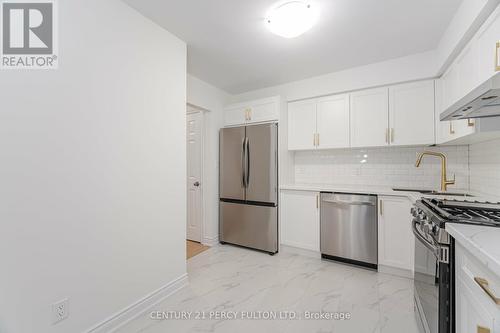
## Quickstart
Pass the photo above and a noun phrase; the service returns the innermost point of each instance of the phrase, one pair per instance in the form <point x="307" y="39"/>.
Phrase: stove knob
<point x="414" y="212"/>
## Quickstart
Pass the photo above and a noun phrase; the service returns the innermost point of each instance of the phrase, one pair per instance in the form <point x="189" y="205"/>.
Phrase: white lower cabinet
<point x="300" y="219"/>
<point x="471" y="316"/>
<point x="395" y="236"/>
<point x="475" y="311"/>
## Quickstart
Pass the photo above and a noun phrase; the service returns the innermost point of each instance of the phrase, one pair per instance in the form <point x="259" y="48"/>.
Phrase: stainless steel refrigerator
<point x="248" y="187"/>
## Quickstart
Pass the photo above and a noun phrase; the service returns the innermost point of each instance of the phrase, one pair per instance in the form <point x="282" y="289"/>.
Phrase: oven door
<point x="432" y="283"/>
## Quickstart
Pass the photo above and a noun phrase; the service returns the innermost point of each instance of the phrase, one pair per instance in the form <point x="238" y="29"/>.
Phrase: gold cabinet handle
<point x="317" y="201"/>
<point x="314" y="139"/>
<point x="481" y="329"/>
<point x="381" y="207"/>
<point x="317" y="141"/>
<point x="452" y="131"/>
<point x="483" y="283"/>
<point x="497" y="60"/>
<point x="392" y="135"/>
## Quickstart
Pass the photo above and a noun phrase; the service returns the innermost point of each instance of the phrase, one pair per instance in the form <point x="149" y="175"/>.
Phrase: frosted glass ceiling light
<point x="292" y="18"/>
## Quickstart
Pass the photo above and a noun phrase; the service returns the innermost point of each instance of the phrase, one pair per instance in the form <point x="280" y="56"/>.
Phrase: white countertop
<point x="483" y="242"/>
<point x="370" y="189"/>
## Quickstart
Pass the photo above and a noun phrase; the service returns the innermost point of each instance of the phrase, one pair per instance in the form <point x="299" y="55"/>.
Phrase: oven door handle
<point x="427" y="244"/>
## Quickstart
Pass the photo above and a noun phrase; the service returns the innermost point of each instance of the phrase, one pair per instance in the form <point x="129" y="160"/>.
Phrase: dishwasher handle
<point x="349" y="203"/>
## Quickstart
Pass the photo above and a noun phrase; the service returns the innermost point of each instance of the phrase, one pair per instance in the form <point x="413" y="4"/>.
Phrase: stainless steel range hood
<point x="482" y="102"/>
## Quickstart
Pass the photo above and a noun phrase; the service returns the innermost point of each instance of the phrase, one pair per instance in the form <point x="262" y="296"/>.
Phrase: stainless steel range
<point x="434" y="256"/>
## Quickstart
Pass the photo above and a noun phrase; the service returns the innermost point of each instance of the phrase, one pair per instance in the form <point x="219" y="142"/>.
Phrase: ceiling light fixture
<point x="292" y="18"/>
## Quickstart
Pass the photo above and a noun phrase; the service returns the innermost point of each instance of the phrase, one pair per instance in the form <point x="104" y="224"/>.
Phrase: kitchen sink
<point x="433" y="192"/>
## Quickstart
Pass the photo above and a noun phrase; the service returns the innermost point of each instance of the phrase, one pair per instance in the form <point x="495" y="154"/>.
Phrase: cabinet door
<point x="471" y="315"/>
<point x="395" y="235"/>
<point x="333" y="122"/>
<point x="300" y="219"/>
<point x="488" y="36"/>
<point x="264" y="110"/>
<point x="450" y="87"/>
<point x="301" y="125"/>
<point x="448" y="131"/>
<point x="235" y="116"/>
<point x="411" y="113"/>
<point x="370" y="118"/>
<point x="467" y="67"/>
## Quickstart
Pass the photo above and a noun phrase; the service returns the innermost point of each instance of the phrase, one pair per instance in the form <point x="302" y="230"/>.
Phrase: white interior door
<point x="194" y="171"/>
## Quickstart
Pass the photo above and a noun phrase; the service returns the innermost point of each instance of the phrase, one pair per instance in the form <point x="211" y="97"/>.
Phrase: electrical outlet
<point x="60" y="311"/>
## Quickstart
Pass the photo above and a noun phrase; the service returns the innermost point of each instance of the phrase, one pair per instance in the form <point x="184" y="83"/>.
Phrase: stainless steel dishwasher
<point x="349" y="228"/>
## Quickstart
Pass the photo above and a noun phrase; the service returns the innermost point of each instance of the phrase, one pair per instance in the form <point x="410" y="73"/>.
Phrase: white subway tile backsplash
<point x="485" y="168"/>
<point x="394" y="167"/>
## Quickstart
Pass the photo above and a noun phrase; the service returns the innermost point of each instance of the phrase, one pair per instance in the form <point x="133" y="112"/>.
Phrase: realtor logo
<point x="28" y="34"/>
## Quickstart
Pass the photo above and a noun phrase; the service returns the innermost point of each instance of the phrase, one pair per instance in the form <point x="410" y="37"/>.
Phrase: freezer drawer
<point x="250" y="226"/>
<point x="348" y="228"/>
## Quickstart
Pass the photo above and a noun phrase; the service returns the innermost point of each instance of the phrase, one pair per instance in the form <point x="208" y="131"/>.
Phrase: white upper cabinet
<point x="468" y="69"/>
<point x="369" y="118"/>
<point x="333" y="122"/>
<point x="302" y="125"/>
<point x="235" y="115"/>
<point x="411" y="114"/>
<point x="474" y="65"/>
<point x="487" y="37"/>
<point x="399" y="115"/>
<point x="449" y="87"/>
<point x="262" y="110"/>
<point x="321" y="123"/>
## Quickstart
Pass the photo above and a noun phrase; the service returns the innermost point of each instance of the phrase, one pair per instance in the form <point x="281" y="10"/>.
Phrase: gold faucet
<point x="444" y="179"/>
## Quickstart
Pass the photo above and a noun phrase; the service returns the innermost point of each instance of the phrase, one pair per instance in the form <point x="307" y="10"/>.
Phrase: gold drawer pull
<point x="497" y="57"/>
<point x="483" y="283"/>
<point x="481" y="329"/>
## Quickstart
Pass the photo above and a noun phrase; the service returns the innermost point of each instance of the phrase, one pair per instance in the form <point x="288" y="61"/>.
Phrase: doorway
<point x="194" y="145"/>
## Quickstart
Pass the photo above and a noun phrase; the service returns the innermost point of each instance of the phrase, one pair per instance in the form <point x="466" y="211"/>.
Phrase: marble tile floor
<point x="227" y="280"/>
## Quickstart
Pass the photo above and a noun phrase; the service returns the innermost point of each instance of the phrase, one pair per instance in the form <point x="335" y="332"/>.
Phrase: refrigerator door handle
<point x="243" y="163"/>
<point x="247" y="172"/>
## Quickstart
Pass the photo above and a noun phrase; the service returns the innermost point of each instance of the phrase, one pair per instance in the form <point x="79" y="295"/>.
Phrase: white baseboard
<point x="210" y="241"/>
<point x="140" y="307"/>
<point x="406" y="273"/>
<point x="287" y="248"/>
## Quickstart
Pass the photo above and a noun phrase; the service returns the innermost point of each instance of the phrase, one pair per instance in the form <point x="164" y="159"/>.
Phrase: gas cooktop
<point x="463" y="211"/>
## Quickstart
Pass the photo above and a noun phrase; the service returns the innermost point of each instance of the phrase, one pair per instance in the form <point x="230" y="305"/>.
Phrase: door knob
<point x="196" y="184"/>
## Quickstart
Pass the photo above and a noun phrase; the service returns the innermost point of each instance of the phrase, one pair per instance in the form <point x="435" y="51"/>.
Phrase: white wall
<point x="213" y="100"/>
<point x="93" y="171"/>
<point x="414" y="67"/>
